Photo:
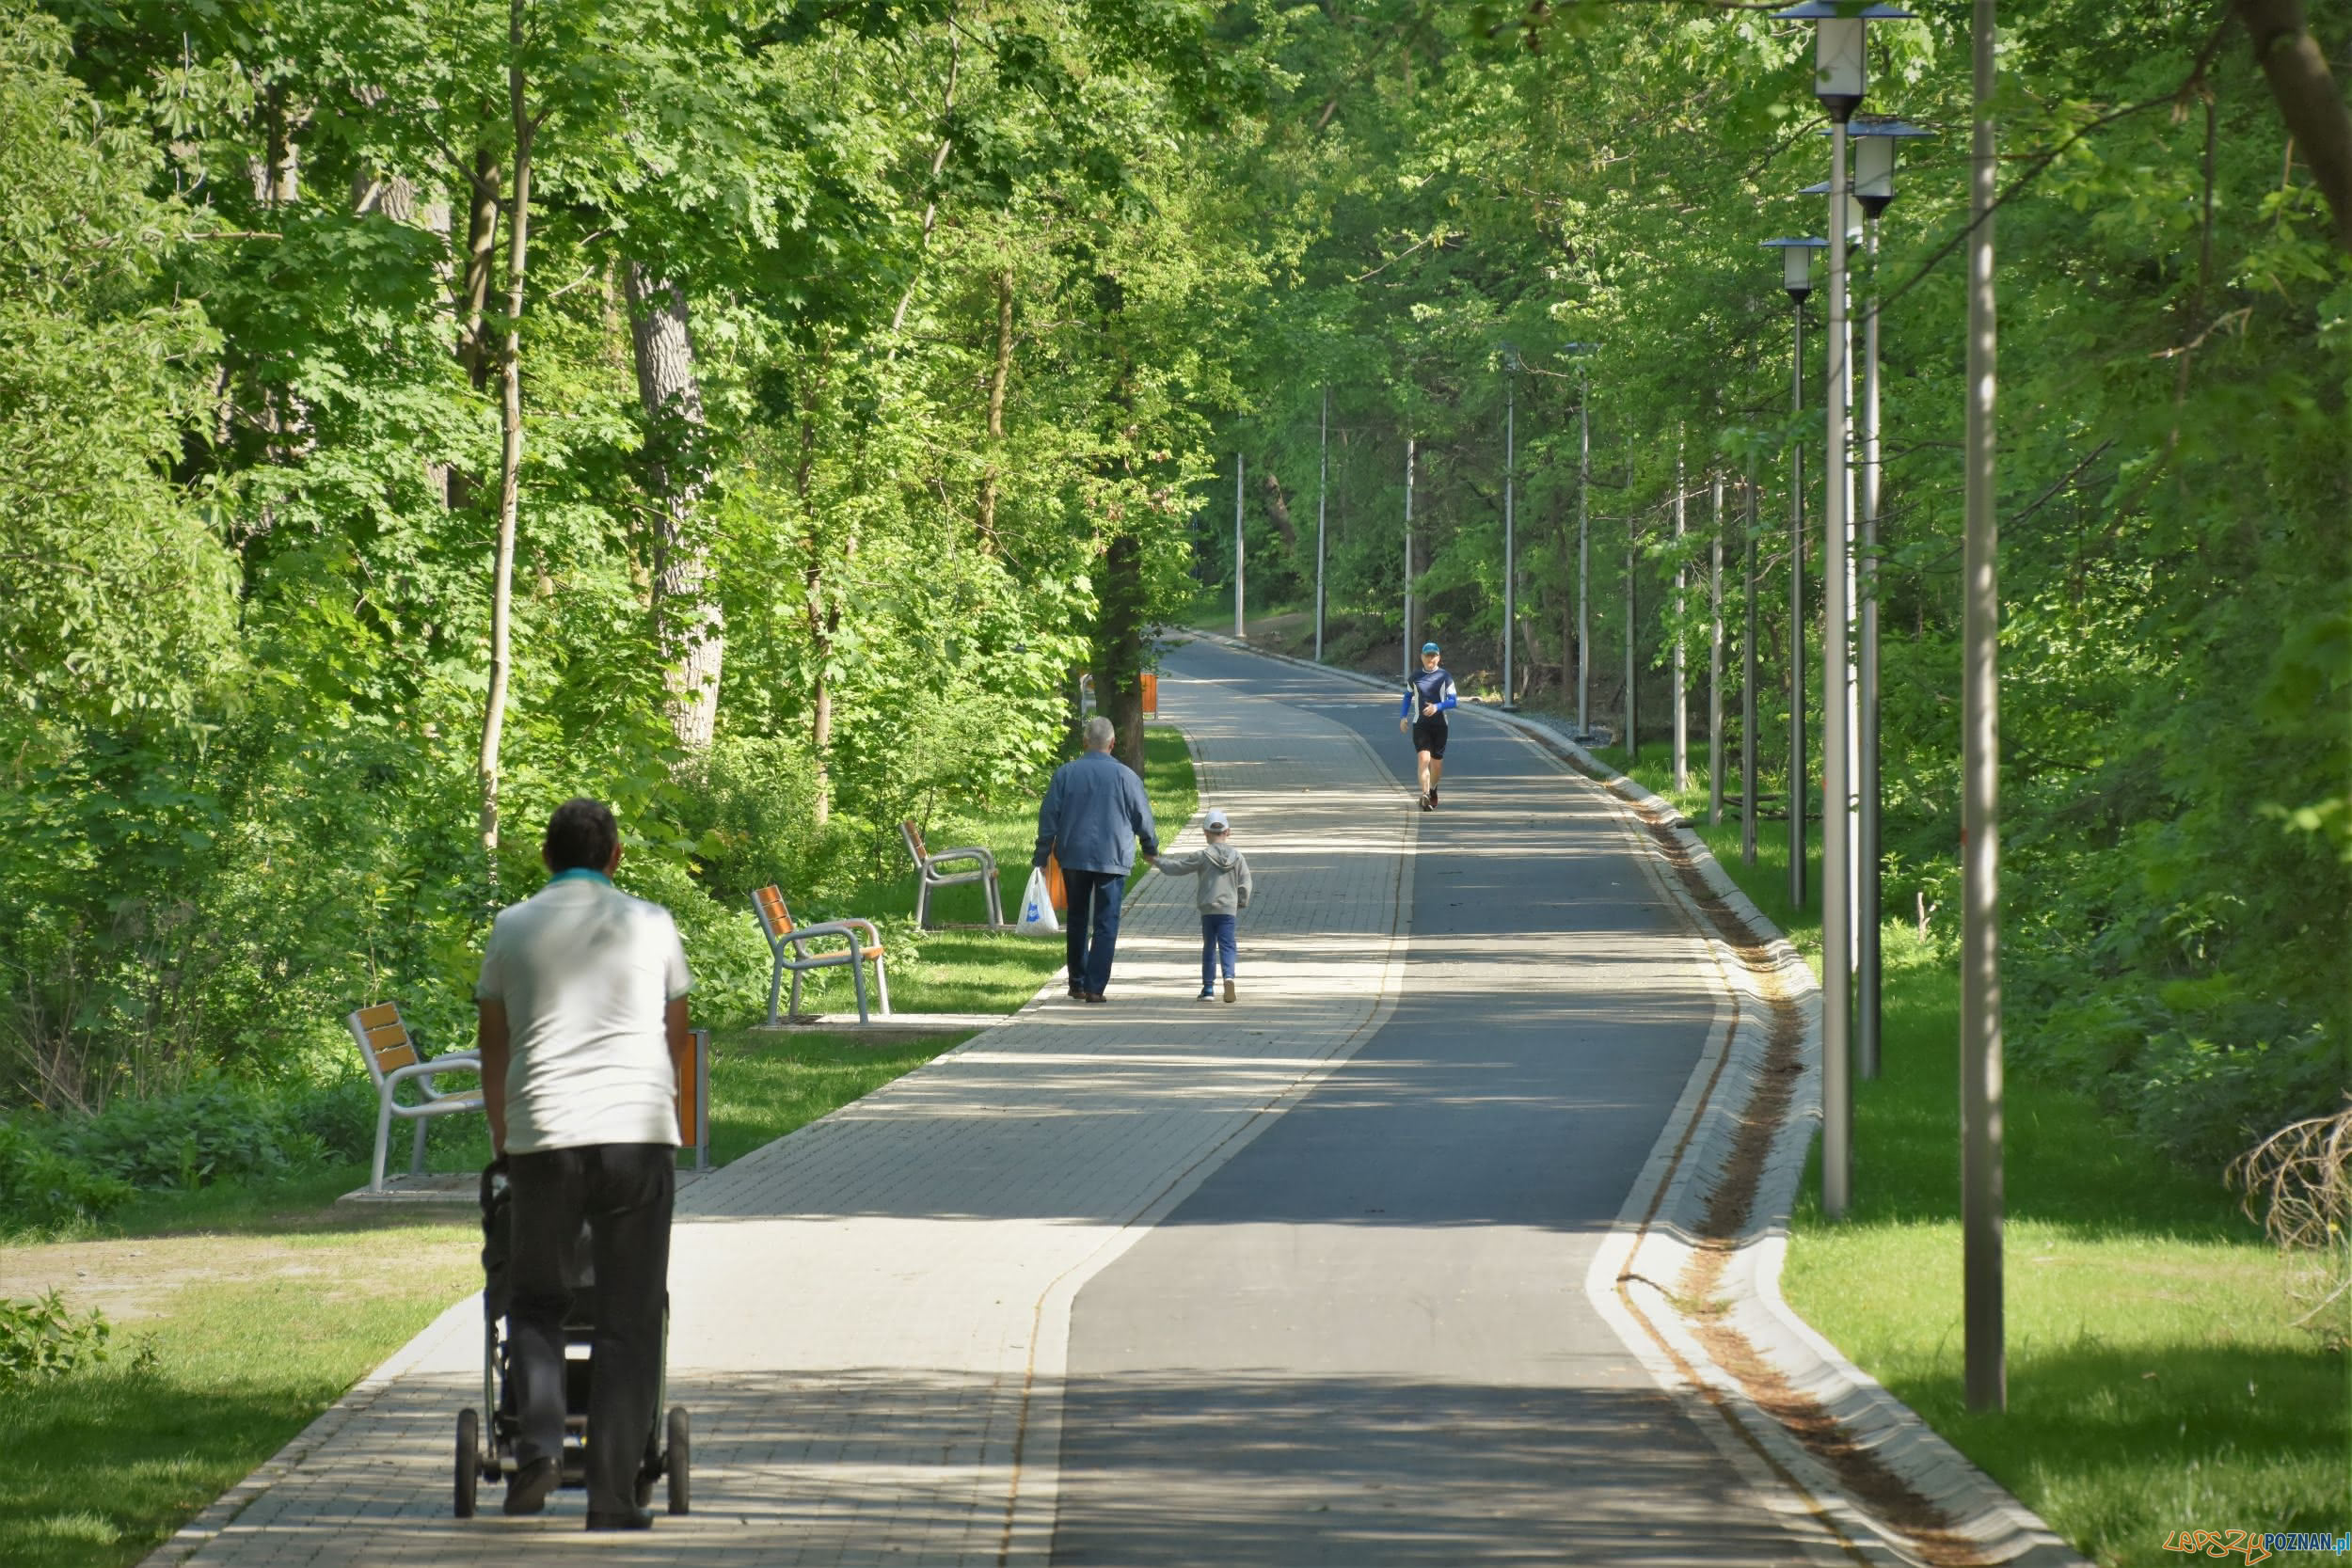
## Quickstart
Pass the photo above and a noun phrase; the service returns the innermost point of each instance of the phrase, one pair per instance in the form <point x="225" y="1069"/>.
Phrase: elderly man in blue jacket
<point x="1094" y="811"/>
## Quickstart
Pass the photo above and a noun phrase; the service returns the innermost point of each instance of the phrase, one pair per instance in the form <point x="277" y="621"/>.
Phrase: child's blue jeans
<point x="1216" y="941"/>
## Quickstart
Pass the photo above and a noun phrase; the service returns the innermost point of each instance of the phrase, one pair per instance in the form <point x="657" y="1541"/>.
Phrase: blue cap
<point x="1429" y="647"/>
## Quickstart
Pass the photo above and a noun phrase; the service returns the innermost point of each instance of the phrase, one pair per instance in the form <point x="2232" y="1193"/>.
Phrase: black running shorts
<point x="1429" y="735"/>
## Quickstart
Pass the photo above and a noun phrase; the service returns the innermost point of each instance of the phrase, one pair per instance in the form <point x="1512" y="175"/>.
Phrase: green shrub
<point x="41" y="1186"/>
<point x="40" y="1340"/>
<point x="215" y="1131"/>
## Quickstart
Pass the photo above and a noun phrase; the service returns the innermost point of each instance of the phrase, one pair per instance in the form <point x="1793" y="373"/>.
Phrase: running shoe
<point x="1433" y="800"/>
<point x="1229" y="990"/>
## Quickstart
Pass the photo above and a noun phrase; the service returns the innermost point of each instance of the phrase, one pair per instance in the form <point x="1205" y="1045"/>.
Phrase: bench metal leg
<point x="796" y="994"/>
<point x="383" y="1138"/>
<point x="995" y="899"/>
<point x="776" y="982"/>
<point x="416" y="1154"/>
<point x="857" y="983"/>
<point x="882" y="982"/>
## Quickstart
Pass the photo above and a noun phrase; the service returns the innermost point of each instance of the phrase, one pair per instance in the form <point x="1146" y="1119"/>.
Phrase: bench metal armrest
<point x="423" y="1073"/>
<point x="873" y="937"/>
<point x="826" y="928"/>
<point x="969" y="852"/>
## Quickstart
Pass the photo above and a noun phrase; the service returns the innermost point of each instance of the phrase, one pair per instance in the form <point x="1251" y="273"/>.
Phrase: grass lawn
<point x="241" y="1312"/>
<point x="2154" y="1382"/>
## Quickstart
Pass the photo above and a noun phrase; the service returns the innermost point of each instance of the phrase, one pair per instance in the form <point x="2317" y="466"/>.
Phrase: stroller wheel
<point x="677" y="1462"/>
<point x="468" y="1460"/>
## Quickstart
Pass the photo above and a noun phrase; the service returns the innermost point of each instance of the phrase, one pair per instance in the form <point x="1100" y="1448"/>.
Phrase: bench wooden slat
<point x="379" y="1015"/>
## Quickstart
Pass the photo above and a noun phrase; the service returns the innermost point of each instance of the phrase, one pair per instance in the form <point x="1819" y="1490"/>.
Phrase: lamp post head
<point x="1796" y="264"/>
<point x="1840" y="67"/>
<point x="1875" y="136"/>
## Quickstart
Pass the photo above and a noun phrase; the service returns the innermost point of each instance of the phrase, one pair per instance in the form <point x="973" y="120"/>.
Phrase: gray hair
<point x="1098" y="733"/>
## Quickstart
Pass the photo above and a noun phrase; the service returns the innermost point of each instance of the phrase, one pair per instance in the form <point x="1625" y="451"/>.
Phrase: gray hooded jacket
<point x="1224" y="876"/>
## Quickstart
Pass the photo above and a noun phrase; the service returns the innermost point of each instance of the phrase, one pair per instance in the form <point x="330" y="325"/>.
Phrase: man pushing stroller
<point x="582" y="1033"/>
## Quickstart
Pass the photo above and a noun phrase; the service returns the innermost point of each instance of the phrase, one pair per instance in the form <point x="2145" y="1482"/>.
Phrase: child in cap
<point x="1223" y="893"/>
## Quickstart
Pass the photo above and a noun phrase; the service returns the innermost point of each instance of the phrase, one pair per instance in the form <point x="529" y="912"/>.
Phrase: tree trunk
<point x="482" y="237"/>
<point x="2308" y="101"/>
<point x="511" y="430"/>
<point x="999" y="374"/>
<point x="1277" y="509"/>
<point x="1118" y="646"/>
<point x="821" y="622"/>
<point x="686" y="621"/>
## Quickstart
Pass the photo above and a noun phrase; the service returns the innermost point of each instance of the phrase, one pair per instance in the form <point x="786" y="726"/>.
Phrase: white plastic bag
<point x="1037" y="906"/>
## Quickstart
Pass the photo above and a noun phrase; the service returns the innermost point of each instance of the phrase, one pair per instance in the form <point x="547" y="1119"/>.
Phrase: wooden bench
<point x="394" y="1059"/>
<point x="927" y="866"/>
<point x="791" y="946"/>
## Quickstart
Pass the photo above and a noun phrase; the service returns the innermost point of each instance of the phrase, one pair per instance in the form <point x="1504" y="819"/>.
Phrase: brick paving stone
<point x="868" y="1315"/>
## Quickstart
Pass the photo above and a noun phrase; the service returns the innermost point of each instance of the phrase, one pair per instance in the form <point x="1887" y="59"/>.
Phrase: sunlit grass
<point x="2154" y="1382"/>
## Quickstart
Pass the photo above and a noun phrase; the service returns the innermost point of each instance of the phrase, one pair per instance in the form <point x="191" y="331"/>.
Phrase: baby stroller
<point x="666" y="1447"/>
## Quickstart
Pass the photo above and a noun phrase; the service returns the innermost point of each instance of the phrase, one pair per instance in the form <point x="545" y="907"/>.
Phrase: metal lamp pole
<point x="1510" y="543"/>
<point x="1408" y="558"/>
<point x="1682" y="693"/>
<point x="1632" y="608"/>
<point x="1715" y="660"/>
<point x="1840" y="79"/>
<point x="1987" y="1371"/>
<point x="1583" y="543"/>
<point x="1796" y="261"/>
<point x="1239" y="629"/>
<point x="1875" y="140"/>
<point x="1323" y="491"/>
<point x="1747" y="691"/>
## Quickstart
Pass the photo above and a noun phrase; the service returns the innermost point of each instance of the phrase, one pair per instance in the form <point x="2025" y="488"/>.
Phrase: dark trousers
<point x="623" y="1193"/>
<point x="1095" y="899"/>
<point x="1216" y="941"/>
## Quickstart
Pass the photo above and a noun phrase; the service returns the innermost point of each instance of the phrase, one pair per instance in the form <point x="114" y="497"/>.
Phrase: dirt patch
<point x="135" y="1278"/>
<point x="1731" y="1204"/>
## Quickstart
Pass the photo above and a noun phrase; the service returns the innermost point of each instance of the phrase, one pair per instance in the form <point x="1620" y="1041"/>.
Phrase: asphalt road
<point x="1365" y="1339"/>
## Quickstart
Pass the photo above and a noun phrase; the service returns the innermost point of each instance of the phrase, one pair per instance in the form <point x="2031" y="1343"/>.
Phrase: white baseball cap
<point x="1214" y="822"/>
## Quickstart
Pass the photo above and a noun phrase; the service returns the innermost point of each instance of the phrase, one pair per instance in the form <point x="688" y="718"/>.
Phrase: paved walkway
<point x="872" y="1316"/>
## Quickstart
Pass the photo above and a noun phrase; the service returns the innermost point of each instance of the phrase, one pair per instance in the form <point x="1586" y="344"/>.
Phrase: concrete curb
<point x="1692" y="1157"/>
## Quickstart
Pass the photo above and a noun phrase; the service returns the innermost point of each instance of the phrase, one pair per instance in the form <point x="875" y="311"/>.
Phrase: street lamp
<point x="1840" y="78"/>
<point x="1408" y="558"/>
<point x="1876" y="137"/>
<point x="1796" y="264"/>
<point x="1240" y="628"/>
<point x="1510" y="543"/>
<point x="1583" y="539"/>
<point x="1323" y="492"/>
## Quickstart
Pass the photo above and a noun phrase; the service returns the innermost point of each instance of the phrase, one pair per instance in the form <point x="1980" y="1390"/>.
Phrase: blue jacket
<point x="1428" y="686"/>
<point x="1094" y="811"/>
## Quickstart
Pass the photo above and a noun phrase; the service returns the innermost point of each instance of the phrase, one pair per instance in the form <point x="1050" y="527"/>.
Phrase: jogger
<point x="1429" y="696"/>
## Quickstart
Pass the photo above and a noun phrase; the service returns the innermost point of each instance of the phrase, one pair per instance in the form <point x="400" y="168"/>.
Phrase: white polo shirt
<point x="586" y="973"/>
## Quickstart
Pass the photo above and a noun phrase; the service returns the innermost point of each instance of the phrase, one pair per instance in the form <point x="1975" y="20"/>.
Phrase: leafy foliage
<point x="39" y="1339"/>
